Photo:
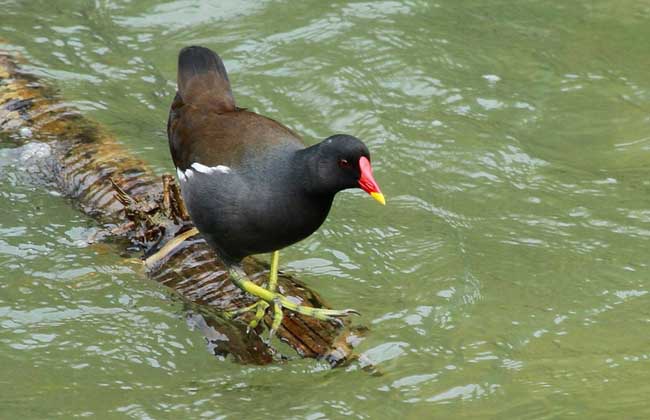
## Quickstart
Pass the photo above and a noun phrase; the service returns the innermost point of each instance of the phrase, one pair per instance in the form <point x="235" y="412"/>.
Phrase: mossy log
<point x="129" y="201"/>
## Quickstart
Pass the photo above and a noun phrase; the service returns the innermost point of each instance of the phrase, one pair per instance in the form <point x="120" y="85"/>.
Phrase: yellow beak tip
<point x="379" y="197"/>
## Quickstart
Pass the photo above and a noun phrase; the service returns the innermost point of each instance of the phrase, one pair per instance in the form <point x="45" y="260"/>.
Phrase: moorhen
<point x="249" y="183"/>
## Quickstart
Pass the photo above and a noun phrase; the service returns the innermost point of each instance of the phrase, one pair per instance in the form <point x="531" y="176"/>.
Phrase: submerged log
<point x="124" y="196"/>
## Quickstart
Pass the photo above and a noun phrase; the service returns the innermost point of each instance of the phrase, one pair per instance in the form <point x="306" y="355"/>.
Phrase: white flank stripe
<point x="210" y="170"/>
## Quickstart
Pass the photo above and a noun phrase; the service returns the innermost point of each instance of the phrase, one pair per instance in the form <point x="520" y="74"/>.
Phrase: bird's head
<point x="341" y="162"/>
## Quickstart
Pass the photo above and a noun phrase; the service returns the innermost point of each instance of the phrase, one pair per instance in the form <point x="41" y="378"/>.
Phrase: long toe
<point x="318" y="313"/>
<point x="259" y="313"/>
<point x="277" y="319"/>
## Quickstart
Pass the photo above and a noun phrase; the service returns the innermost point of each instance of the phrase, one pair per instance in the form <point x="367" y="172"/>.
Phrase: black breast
<point x="254" y="209"/>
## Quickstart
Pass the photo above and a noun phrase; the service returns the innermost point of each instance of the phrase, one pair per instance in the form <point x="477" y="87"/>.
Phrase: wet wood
<point x="122" y="193"/>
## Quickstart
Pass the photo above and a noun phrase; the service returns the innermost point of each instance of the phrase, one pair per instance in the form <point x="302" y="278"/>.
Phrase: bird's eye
<point x="343" y="163"/>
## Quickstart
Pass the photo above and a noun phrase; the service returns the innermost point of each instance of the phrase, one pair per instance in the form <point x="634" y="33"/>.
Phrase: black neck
<point x="306" y="172"/>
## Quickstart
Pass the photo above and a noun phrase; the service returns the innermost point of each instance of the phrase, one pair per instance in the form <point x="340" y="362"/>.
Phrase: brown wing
<point x="224" y="139"/>
<point x="205" y="125"/>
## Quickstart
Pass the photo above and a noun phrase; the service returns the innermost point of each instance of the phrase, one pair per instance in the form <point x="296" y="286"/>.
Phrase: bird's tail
<point x="202" y="79"/>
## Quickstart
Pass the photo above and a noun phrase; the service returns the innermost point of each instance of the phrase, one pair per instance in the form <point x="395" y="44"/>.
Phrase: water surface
<point x="506" y="278"/>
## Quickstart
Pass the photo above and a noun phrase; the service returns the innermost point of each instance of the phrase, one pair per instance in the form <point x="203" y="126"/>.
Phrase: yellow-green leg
<point x="261" y="305"/>
<point x="271" y="297"/>
<point x="273" y="285"/>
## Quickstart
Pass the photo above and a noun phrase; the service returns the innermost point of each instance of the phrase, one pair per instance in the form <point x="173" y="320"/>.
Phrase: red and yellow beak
<point x="367" y="181"/>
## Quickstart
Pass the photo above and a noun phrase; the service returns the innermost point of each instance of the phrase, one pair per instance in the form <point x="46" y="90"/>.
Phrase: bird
<point x="250" y="184"/>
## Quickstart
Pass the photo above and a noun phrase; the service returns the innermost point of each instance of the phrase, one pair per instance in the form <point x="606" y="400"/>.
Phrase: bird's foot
<point x="278" y="302"/>
<point x="270" y="298"/>
<point x="259" y="307"/>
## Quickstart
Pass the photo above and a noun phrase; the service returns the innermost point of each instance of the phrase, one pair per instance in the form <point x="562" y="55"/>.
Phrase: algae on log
<point x="119" y="191"/>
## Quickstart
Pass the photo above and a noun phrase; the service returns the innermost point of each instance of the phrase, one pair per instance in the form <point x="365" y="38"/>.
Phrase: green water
<point x="506" y="278"/>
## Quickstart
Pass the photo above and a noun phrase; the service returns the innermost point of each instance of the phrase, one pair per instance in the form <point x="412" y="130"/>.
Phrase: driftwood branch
<point x="122" y="193"/>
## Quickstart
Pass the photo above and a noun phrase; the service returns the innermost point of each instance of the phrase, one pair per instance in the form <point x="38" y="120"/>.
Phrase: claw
<point x="337" y="321"/>
<point x="352" y="312"/>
